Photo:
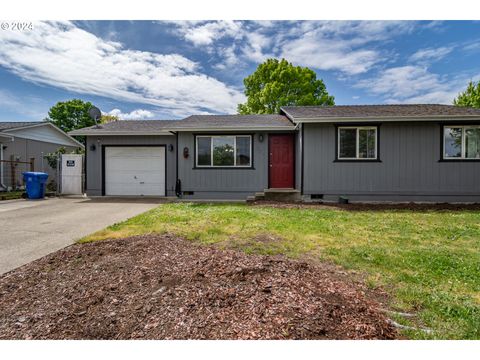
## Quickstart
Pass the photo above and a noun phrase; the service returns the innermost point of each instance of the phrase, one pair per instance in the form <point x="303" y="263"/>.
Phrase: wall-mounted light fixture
<point x="93" y="147"/>
<point x="170" y="147"/>
<point x="185" y="152"/>
<point x="260" y="137"/>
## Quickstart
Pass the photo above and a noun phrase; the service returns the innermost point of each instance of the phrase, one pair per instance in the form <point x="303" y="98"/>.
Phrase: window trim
<point x="233" y="167"/>
<point x="358" y="127"/>
<point x="462" y="158"/>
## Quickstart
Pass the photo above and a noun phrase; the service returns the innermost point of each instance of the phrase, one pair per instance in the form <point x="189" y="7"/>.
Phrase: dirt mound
<point x="163" y="287"/>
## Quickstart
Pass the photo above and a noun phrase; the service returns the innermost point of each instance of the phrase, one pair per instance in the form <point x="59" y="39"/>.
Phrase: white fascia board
<point x="247" y="129"/>
<point x="170" y="130"/>
<point x="6" y="136"/>
<point x="387" y="119"/>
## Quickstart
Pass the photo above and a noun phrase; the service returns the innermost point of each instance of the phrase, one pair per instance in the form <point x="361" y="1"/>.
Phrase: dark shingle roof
<point x="378" y="111"/>
<point x="234" y="121"/>
<point x="194" y="122"/>
<point x="7" y="125"/>
<point x="127" y="126"/>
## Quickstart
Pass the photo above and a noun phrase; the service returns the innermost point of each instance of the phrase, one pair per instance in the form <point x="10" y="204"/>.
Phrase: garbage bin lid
<point x="34" y="173"/>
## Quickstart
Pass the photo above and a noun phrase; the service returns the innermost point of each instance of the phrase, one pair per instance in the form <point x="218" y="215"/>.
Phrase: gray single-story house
<point x="23" y="142"/>
<point x="365" y="153"/>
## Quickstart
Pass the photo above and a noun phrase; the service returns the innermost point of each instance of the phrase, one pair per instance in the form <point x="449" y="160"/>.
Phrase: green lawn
<point x="429" y="261"/>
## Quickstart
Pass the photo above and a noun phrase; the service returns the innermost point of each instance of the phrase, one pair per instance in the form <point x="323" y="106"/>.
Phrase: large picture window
<point x="224" y="151"/>
<point x="357" y="143"/>
<point x="461" y="142"/>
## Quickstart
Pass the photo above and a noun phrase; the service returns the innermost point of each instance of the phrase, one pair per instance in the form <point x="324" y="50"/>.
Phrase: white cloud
<point x="345" y="46"/>
<point x="413" y="84"/>
<point x="138" y="114"/>
<point x="63" y="55"/>
<point x="329" y="55"/>
<point x="431" y="54"/>
<point x="207" y="33"/>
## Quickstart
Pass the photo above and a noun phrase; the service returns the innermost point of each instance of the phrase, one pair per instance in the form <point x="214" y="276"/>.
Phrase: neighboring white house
<point x="23" y="141"/>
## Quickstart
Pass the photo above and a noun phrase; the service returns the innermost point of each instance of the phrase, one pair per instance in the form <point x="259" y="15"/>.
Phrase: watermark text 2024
<point x="16" y="25"/>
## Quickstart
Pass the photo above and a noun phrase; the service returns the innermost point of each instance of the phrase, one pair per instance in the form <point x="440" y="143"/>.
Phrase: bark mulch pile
<point x="163" y="287"/>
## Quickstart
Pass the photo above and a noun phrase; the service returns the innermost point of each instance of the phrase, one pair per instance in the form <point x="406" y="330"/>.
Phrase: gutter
<point x="170" y="131"/>
<point x="332" y="119"/>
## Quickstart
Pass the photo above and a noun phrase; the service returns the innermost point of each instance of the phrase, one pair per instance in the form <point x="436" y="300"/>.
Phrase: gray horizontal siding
<point x="409" y="167"/>
<point x="94" y="158"/>
<point x="222" y="183"/>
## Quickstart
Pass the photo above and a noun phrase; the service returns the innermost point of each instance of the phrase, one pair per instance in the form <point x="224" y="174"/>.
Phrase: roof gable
<point x="41" y="131"/>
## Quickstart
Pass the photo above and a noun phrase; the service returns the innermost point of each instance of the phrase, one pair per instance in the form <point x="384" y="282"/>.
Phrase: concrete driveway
<point x="32" y="229"/>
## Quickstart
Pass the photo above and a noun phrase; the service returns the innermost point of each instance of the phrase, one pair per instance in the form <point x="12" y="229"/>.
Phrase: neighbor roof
<point x="16" y="128"/>
<point x="191" y="123"/>
<point x="366" y="112"/>
<point x="6" y="125"/>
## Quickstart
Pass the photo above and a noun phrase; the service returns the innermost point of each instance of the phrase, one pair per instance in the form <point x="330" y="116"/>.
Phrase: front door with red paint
<point x="281" y="161"/>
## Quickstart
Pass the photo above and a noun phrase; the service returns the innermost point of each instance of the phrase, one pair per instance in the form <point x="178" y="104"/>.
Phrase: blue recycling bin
<point x="35" y="184"/>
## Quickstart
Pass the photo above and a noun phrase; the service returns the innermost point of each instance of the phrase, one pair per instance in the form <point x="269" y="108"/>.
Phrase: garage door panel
<point x="151" y="166"/>
<point x="135" y="170"/>
<point x="126" y="152"/>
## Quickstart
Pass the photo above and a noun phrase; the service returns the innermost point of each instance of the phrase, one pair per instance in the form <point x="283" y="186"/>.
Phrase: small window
<point x="357" y="143"/>
<point x="461" y="142"/>
<point x="224" y="151"/>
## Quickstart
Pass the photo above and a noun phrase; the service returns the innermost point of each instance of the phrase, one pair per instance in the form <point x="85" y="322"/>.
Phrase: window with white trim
<point x="357" y="143"/>
<point x="224" y="151"/>
<point x="461" y="142"/>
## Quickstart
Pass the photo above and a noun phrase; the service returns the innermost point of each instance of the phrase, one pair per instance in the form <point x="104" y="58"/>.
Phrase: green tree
<point x="469" y="97"/>
<point x="278" y="83"/>
<point x="71" y="115"/>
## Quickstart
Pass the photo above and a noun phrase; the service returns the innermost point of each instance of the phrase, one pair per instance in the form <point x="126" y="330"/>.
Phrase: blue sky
<point x="168" y="70"/>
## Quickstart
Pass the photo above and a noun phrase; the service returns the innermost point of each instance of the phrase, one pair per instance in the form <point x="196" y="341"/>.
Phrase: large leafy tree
<point x="71" y="115"/>
<point x="278" y="83"/>
<point x="469" y="97"/>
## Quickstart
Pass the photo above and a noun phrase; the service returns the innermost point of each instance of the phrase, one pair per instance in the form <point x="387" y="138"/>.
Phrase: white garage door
<point x="135" y="170"/>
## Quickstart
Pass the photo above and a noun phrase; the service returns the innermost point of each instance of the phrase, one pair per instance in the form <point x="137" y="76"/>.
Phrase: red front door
<point x="281" y="161"/>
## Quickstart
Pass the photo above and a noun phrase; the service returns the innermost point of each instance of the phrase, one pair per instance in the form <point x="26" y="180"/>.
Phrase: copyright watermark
<point x="16" y="25"/>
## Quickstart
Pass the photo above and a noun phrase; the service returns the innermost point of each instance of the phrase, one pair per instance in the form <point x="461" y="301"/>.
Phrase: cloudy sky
<point x="168" y="70"/>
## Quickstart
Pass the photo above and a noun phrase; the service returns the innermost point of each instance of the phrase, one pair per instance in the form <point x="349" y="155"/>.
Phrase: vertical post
<point x="12" y="172"/>
<point x="57" y="172"/>
<point x="32" y="164"/>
